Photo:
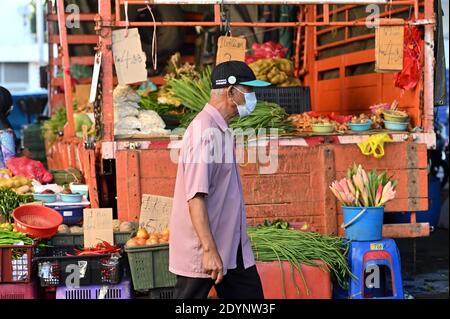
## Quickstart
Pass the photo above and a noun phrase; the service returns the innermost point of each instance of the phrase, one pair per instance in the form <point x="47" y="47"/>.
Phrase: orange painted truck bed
<point x="297" y="192"/>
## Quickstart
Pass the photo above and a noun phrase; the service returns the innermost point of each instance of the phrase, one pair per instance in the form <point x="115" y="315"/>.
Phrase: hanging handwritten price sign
<point x="129" y="59"/>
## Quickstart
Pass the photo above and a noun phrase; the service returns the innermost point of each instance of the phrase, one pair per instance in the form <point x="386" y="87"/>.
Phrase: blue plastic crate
<point x="72" y="215"/>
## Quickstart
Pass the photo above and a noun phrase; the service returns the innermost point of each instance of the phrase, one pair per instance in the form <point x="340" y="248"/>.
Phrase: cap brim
<point x="256" y="83"/>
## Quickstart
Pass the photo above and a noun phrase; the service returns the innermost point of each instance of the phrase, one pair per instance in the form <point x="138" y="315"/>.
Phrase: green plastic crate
<point x="149" y="267"/>
<point x="120" y="239"/>
<point x="161" y="293"/>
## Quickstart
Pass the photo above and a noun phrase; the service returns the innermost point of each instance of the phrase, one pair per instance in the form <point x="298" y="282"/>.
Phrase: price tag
<point x="98" y="226"/>
<point x="389" y="48"/>
<point x="374" y="246"/>
<point x="129" y="59"/>
<point x="155" y="212"/>
<point x="230" y="48"/>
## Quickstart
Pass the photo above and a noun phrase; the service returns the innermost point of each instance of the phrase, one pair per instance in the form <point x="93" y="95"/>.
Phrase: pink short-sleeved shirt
<point x="207" y="164"/>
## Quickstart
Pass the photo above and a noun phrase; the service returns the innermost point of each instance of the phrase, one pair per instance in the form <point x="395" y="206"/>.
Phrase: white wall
<point x="17" y="43"/>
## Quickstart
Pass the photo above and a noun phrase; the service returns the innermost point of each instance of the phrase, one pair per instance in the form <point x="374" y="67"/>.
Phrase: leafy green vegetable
<point x="11" y="238"/>
<point x="9" y="200"/>
<point x="299" y="247"/>
<point x="54" y="125"/>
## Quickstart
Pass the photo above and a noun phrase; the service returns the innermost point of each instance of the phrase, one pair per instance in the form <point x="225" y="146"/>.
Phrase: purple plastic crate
<point x="119" y="291"/>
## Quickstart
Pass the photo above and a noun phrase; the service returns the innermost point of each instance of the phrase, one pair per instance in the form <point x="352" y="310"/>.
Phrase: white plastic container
<point x="80" y="188"/>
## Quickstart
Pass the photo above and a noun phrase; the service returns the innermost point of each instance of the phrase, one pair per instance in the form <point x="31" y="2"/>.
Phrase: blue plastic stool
<point x="377" y="268"/>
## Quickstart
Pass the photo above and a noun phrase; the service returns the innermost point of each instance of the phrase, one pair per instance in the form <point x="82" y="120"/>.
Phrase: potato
<point x="76" y="230"/>
<point x="63" y="229"/>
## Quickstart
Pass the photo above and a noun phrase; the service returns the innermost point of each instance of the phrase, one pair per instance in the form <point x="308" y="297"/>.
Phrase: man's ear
<point x="230" y="91"/>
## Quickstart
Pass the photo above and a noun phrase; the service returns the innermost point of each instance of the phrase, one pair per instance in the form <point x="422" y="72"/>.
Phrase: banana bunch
<point x="276" y="71"/>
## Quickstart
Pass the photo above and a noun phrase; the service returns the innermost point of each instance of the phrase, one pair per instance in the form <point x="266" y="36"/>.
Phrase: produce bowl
<point x="323" y="128"/>
<point x="396" y="126"/>
<point x="360" y="127"/>
<point x="71" y="198"/>
<point x="45" y="198"/>
<point x="37" y="221"/>
<point x="80" y="189"/>
<point x="393" y="116"/>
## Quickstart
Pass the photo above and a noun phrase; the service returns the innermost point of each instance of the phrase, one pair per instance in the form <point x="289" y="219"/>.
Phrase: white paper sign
<point x="129" y="59"/>
<point x="98" y="226"/>
<point x="95" y="76"/>
<point x="155" y="212"/>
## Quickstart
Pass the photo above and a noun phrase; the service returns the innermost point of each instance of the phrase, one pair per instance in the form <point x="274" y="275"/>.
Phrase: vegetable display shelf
<point x="149" y="266"/>
<point x="120" y="238"/>
<point x="59" y="269"/>
<point x="16" y="263"/>
<point x="118" y="291"/>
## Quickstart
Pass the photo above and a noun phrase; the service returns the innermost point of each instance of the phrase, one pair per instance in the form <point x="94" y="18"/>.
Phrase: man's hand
<point x="212" y="265"/>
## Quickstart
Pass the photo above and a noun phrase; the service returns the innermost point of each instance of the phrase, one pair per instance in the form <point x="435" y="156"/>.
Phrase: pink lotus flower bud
<point x="387" y="194"/>
<point x="379" y="193"/>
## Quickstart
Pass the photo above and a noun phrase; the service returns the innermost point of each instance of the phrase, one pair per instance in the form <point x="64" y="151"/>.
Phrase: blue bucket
<point x="363" y="223"/>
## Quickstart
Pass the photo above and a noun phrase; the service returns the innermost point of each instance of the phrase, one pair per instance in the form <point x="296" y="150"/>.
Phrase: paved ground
<point x="428" y="276"/>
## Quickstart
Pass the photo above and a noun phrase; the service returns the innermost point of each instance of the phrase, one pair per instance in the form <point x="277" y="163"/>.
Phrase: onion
<point x="131" y="243"/>
<point x="141" y="241"/>
<point x="142" y="233"/>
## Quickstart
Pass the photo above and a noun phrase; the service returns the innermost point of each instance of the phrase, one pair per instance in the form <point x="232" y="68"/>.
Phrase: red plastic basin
<point x="317" y="280"/>
<point x="37" y="221"/>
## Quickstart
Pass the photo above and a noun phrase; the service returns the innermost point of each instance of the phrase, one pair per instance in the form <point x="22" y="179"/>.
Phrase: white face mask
<point x="249" y="106"/>
<point x="10" y="110"/>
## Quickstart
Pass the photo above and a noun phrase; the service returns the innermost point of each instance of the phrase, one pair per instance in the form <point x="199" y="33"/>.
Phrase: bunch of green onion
<point x="299" y="247"/>
<point x="266" y="115"/>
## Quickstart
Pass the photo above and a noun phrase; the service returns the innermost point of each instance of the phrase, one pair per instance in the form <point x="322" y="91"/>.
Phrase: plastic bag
<point x="151" y="119"/>
<point x="154" y="131"/>
<point x="408" y="78"/>
<point x="126" y="132"/>
<point x="374" y="145"/>
<point x="124" y="93"/>
<point x="128" y="123"/>
<point x="23" y="166"/>
<point x="267" y="50"/>
<point x="126" y="110"/>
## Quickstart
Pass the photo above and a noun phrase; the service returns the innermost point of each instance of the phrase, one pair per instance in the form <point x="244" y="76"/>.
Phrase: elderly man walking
<point x="209" y="245"/>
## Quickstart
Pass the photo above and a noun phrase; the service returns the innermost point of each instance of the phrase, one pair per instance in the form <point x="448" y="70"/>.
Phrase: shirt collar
<point x="217" y="117"/>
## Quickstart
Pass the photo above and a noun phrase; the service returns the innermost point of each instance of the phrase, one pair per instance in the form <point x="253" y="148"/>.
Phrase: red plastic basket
<point x="37" y="221"/>
<point x="16" y="263"/>
<point x="18" y="291"/>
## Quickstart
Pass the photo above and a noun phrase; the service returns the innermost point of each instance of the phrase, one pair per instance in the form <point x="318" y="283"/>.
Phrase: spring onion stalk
<point x="298" y="247"/>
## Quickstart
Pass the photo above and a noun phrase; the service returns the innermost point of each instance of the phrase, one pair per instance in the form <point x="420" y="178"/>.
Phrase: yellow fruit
<point x="9" y="183"/>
